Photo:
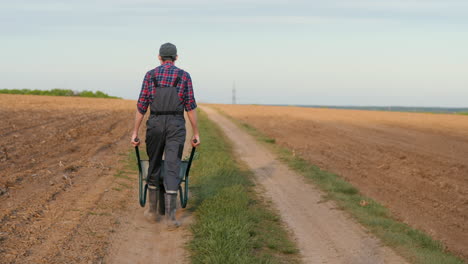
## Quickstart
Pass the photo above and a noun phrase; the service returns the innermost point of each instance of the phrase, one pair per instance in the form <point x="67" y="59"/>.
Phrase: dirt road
<point x="413" y="163"/>
<point x="324" y="235"/>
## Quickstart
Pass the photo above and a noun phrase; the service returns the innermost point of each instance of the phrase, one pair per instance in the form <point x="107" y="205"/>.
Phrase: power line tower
<point x="234" y="92"/>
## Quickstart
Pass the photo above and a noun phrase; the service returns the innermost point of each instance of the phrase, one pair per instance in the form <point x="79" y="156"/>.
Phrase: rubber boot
<point x="152" y="212"/>
<point x="171" y="207"/>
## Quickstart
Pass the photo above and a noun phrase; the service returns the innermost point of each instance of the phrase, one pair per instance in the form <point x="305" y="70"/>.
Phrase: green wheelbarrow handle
<point x="142" y="189"/>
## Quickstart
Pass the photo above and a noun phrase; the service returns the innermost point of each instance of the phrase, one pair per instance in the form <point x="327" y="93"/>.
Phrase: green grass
<point x="99" y="213"/>
<point x="122" y="174"/>
<point x="233" y="225"/>
<point x="414" y="245"/>
<point x="259" y="137"/>
<point x="124" y="185"/>
<point x="463" y="113"/>
<point x="57" y="92"/>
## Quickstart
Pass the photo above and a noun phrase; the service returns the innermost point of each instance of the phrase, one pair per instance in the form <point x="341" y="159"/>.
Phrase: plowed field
<point x="58" y="191"/>
<point x="415" y="164"/>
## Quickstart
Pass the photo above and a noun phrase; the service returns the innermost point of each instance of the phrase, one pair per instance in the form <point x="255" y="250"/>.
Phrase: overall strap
<point x="179" y="77"/>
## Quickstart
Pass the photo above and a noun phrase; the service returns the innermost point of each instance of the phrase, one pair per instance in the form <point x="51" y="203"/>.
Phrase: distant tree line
<point x="58" y="92"/>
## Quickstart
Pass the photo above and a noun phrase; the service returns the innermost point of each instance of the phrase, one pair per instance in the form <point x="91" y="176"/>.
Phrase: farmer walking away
<point x="168" y="91"/>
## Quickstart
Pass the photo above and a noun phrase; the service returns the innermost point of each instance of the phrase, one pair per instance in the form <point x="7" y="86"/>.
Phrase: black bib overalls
<point x="165" y="133"/>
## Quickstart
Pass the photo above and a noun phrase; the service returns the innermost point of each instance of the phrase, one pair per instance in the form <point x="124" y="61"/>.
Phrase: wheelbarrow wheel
<point x="183" y="192"/>
<point x="184" y="184"/>
<point x="142" y="184"/>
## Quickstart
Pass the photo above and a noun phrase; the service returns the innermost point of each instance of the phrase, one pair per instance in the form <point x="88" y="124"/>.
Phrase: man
<point x="168" y="91"/>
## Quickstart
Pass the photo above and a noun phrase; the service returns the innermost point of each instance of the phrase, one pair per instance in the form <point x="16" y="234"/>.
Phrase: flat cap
<point x="167" y="49"/>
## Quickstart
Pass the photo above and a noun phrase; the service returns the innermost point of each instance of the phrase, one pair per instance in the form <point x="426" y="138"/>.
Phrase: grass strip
<point x="415" y="245"/>
<point x="233" y="225"/>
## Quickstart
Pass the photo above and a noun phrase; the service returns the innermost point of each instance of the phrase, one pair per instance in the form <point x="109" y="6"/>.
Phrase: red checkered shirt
<point x="165" y="76"/>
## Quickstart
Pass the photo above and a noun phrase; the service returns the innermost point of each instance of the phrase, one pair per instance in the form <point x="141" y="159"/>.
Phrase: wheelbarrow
<point x="143" y="166"/>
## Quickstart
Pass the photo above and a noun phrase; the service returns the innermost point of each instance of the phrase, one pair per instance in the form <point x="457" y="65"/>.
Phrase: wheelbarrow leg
<point x="162" y="205"/>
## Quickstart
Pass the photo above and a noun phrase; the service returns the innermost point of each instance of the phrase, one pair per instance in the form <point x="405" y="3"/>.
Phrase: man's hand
<point x="134" y="140"/>
<point x="195" y="140"/>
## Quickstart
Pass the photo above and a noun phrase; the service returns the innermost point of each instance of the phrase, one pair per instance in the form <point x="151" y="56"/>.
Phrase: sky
<point x="311" y="52"/>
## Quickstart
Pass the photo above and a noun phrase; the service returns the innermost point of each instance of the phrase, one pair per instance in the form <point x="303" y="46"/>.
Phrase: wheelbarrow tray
<point x="183" y="176"/>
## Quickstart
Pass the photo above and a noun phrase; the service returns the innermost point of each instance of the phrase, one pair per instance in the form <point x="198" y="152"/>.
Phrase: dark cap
<point x="168" y="49"/>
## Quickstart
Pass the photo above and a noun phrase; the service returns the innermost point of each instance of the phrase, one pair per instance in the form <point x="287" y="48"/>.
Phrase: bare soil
<point x="414" y="163"/>
<point x="60" y="198"/>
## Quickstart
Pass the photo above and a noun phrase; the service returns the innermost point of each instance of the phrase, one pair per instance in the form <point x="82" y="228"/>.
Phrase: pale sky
<point x="311" y="52"/>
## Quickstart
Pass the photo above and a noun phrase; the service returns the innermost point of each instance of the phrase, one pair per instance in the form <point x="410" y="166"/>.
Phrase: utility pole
<point x="234" y="92"/>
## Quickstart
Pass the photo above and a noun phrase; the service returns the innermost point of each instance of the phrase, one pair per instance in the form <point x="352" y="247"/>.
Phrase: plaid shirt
<point x="165" y="76"/>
